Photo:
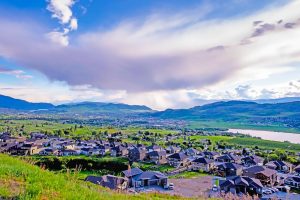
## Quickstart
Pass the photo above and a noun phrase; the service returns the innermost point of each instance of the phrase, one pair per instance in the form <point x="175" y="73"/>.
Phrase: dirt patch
<point x="11" y="188"/>
<point x="193" y="187"/>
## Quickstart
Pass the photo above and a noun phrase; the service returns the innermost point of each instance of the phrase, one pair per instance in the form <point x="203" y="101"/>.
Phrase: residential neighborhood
<point x="231" y="170"/>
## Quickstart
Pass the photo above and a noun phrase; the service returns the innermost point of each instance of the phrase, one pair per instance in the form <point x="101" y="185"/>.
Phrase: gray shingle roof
<point x="132" y="172"/>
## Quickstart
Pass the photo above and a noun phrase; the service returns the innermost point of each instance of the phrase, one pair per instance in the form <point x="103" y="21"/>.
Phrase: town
<point x="221" y="170"/>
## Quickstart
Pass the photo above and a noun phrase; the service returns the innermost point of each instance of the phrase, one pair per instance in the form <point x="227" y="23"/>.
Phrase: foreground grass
<point x="22" y="180"/>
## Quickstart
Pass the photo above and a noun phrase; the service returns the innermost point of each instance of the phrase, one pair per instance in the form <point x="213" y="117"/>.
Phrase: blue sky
<point x="158" y="53"/>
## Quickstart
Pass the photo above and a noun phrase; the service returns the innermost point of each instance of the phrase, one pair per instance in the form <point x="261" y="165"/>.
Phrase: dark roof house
<point x="109" y="181"/>
<point x="242" y="184"/>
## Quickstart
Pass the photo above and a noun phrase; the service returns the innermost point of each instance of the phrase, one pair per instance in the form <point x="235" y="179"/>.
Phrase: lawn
<point x="149" y="166"/>
<point x="213" y="139"/>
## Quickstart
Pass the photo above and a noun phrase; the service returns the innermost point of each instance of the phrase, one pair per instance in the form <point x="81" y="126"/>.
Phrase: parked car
<point x="267" y="191"/>
<point x="171" y="186"/>
<point x="215" y="188"/>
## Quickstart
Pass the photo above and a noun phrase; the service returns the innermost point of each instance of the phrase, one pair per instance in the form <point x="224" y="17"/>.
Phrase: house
<point x="138" y="178"/>
<point x="173" y="149"/>
<point x="242" y="184"/>
<point x="68" y="145"/>
<point x="229" y="158"/>
<point x="30" y="149"/>
<point x="248" y="161"/>
<point x="90" y="151"/>
<point x="7" y="138"/>
<point x="280" y="166"/>
<point x="137" y="154"/>
<point x="115" y="144"/>
<point x="109" y="181"/>
<point x="229" y="169"/>
<point x="63" y="144"/>
<point x="49" y="151"/>
<point x="203" y="164"/>
<point x="104" y="149"/>
<point x="39" y="142"/>
<point x="293" y="181"/>
<point x="267" y="177"/>
<point x="119" y="151"/>
<point x="9" y="148"/>
<point x="191" y="152"/>
<point x="154" y="148"/>
<point x="178" y="159"/>
<point x="68" y="152"/>
<point x="210" y="154"/>
<point x="151" y="178"/>
<point x="157" y="157"/>
<point x="297" y="170"/>
<point x="130" y="174"/>
<point x="37" y="135"/>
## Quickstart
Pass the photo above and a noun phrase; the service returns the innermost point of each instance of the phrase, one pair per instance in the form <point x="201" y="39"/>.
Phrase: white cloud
<point x="73" y="24"/>
<point x="61" y="9"/>
<point x="17" y="73"/>
<point x="61" y="38"/>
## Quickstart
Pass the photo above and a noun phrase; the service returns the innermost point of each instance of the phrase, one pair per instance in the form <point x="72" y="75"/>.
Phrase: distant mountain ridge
<point x="223" y="110"/>
<point x="17" y="104"/>
<point x="101" y="107"/>
<point x="279" y="100"/>
<point x="233" y="110"/>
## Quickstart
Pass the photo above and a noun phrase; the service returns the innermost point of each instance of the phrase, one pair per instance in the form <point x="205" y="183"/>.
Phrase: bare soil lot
<point x="193" y="187"/>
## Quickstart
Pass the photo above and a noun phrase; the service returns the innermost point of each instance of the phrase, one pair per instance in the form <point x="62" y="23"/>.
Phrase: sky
<point x="158" y="53"/>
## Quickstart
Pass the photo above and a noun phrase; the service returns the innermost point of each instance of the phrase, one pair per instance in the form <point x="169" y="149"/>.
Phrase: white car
<point x="171" y="186"/>
<point x="215" y="188"/>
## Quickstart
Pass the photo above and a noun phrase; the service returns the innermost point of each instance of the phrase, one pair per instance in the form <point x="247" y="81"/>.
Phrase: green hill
<point x="286" y="115"/>
<point x="99" y="107"/>
<point x="17" y="104"/>
<point x="21" y="180"/>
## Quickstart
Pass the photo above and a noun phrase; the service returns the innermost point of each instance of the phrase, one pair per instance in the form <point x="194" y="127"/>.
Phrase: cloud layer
<point x="161" y="54"/>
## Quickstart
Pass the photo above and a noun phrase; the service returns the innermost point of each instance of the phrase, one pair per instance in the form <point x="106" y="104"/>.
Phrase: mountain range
<point x="17" y="104"/>
<point x="234" y="110"/>
<point x="7" y="102"/>
<point x="223" y="110"/>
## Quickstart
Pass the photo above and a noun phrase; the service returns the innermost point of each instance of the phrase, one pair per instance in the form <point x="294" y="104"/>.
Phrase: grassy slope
<point x="25" y="181"/>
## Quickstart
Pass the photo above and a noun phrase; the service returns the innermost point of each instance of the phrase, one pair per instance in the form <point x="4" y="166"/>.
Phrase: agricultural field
<point x="264" y="144"/>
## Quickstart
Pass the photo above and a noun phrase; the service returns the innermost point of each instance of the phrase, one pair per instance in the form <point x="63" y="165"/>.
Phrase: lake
<point x="269" y="135"/>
